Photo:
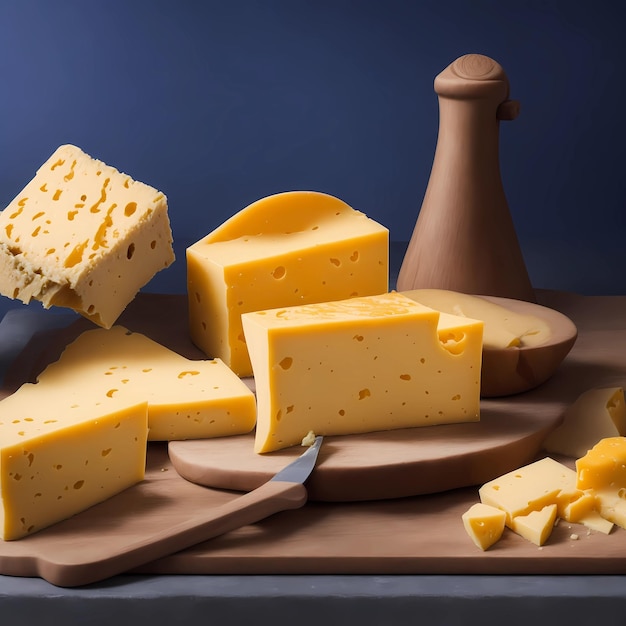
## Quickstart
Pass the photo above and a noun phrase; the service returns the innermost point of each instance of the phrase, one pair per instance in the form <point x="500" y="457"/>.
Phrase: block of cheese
<point x="531" y="488"/>
<point x="287" y="249"/>
<point x="484" y="524"/>
<point x="63" y="450"/>
<point x="503" y="328"/>
<point x="360" y="365"/>
<point x="187" y="399"/>
<point x="536" y="526"/>
<point x="83" y="235"/>
<point x="596" y="414"/>
<point x="603" y="466"/>
<point x="611" y="505"/>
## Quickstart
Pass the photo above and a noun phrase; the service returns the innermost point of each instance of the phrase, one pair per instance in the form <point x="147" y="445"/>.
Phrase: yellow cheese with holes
<point x="603" y="466"/>
<point x="284" y="250"/>
<point x="531" y="488"/>
<point x="360" y="365"/>
<point x="503" y="328"/>
<point x="596" y="414"/>
<point x="187" y="399"/>
<point x="484" y="524"/>
<point x="62" y="450"/>
<point x="83" y="235"/>
<point x="536" y="526"/>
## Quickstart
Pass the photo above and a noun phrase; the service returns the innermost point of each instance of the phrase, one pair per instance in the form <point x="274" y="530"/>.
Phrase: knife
<point x="286" y="490"/>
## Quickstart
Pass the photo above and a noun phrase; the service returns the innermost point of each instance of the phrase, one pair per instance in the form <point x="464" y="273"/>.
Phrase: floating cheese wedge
<point x="284" y="250"/>
<point x="503" y="328"/>
<point x="596" y="414"/>
<point x="83" y="235"/>
<point x="484" y="524"/>
<point x="63" y="450"/>
<point x="536" y="526"/>
<point x="186" y="399"/>
<point x="360" y="365"/>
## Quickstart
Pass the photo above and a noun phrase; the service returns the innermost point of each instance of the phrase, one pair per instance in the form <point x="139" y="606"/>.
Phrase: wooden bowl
<point x="509" y="371"/>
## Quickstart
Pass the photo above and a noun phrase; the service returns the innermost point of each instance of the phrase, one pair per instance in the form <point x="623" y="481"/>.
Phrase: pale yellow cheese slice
<point x="503" y="328"/>
<point x="360" y="365"/>
<point x="284" y="250"/>
<point x="536" y="526"/>
<point x="187" y="399"/>
<point x="83" y="235"/>
<point x="596" y="414"/>
<point x="63" y="450"/>
<point x="484" y="524"/>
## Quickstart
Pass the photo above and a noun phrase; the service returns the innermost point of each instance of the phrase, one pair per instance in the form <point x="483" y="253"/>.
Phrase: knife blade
<point x="286" y="490"/>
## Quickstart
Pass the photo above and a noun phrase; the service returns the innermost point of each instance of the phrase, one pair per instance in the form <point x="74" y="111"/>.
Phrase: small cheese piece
<point x="360" y="365"/>
<point x="596" y="414"/>
<point x="611" y="504"/>
<point x="83" y="235"/>
<point x="63" y="450"/>
<point x="503" y="328"/>
<point x="284" y="250"/>
<point x="603" y="467"/>
<point x="187" y="399"/>
<point x="594" y="521"/>
<point x="531" y="488"/>
<point x="484" y="524"/>
<point x="536" y="526"/>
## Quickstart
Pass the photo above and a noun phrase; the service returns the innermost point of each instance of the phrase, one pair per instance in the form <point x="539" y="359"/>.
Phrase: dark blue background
<point x="221" y="103"/>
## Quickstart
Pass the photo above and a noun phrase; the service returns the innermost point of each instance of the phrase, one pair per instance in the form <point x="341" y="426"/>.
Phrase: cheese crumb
<point x="309" y="439"/>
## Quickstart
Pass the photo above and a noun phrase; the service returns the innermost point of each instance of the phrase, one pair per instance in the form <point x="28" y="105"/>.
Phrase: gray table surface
<point x="302" y="599"/>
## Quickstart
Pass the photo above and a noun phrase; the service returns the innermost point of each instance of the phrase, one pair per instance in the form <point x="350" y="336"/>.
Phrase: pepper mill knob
<point x="464" y="237"/>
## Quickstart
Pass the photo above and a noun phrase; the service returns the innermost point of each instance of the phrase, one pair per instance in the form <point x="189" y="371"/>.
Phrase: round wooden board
<point x="389" y="464"/>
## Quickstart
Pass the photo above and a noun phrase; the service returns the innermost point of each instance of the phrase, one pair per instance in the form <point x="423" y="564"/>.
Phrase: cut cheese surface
<point x="484" y="524"/>
<point x="596" y="414"/>
<point x="360" y="365"/>
<point x="603" y="466"/>
<point x="187" y="399"/>
<point x="536" y="526"/>
<point x="63" y="450"/>
<point x="531" y="488"/>
<point x="83" y="235"/>
<point x="284" y="250"/>
<point x="503" y="328"/>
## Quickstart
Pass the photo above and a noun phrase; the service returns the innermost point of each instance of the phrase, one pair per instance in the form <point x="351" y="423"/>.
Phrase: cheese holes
<point x="130" y="251"/>
<point x="364" y="393"/>
<point x="79" y="484"/>
<point x="130" y="208"/>
<point x="358" y="337"/>
<point x="354" y="257"/>
<point x="279" y="272"/>
<point x="405" y="376"/>
<point x="188" y="373"/>
<point x="334" y="261"/>
<point x="453" y="341"/>
<point x="286" y="363"/>
<point x="106" y="452"/>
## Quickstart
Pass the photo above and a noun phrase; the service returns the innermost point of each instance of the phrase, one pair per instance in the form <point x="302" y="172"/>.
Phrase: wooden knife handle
<point x="269" y="498"/>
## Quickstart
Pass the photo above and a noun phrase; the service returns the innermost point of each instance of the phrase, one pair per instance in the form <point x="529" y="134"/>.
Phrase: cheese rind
<point x="62" y="451"/>
<point x="360" y="365"/>
<point x="284" y="250"/>
<point x="83" y="235"/>
<point x="484" y="524"/>
<point x="596" y="414"/>
<point x="187" y="399"/>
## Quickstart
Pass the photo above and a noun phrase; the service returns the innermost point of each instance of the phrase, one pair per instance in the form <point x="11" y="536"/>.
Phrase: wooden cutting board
<point x="417" y="534"/>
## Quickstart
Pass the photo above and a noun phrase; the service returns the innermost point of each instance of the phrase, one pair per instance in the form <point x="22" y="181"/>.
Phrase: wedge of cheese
<point x="503" y="328"/>
<point x="83" y="235"/>
<point x="360" y="365"/>
<point x="186" y="399"/>
<point x="284" y="250"/>
<point x="596" y="414"/>
<point x="536" y="526"/>
<point x="484" y="524"/>
<point x="63" y="450"/>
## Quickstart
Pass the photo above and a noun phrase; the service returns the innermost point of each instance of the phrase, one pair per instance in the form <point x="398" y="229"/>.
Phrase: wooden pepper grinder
<point x="464" y="238"/>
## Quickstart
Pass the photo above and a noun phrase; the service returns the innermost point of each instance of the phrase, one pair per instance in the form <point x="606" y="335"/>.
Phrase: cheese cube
<point x="531" y="488"/>
<point x="484" y="524"/>
<point x="63" y="450"/>
<point x="596" y="414"/>
<point x="604" y="466"/>
<point x="360" y="365"/>
<point x="187" y="399"/>
<point x="83" y="235"/>
<point x="536" y="526"/>
<point x="284" y="250"/>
